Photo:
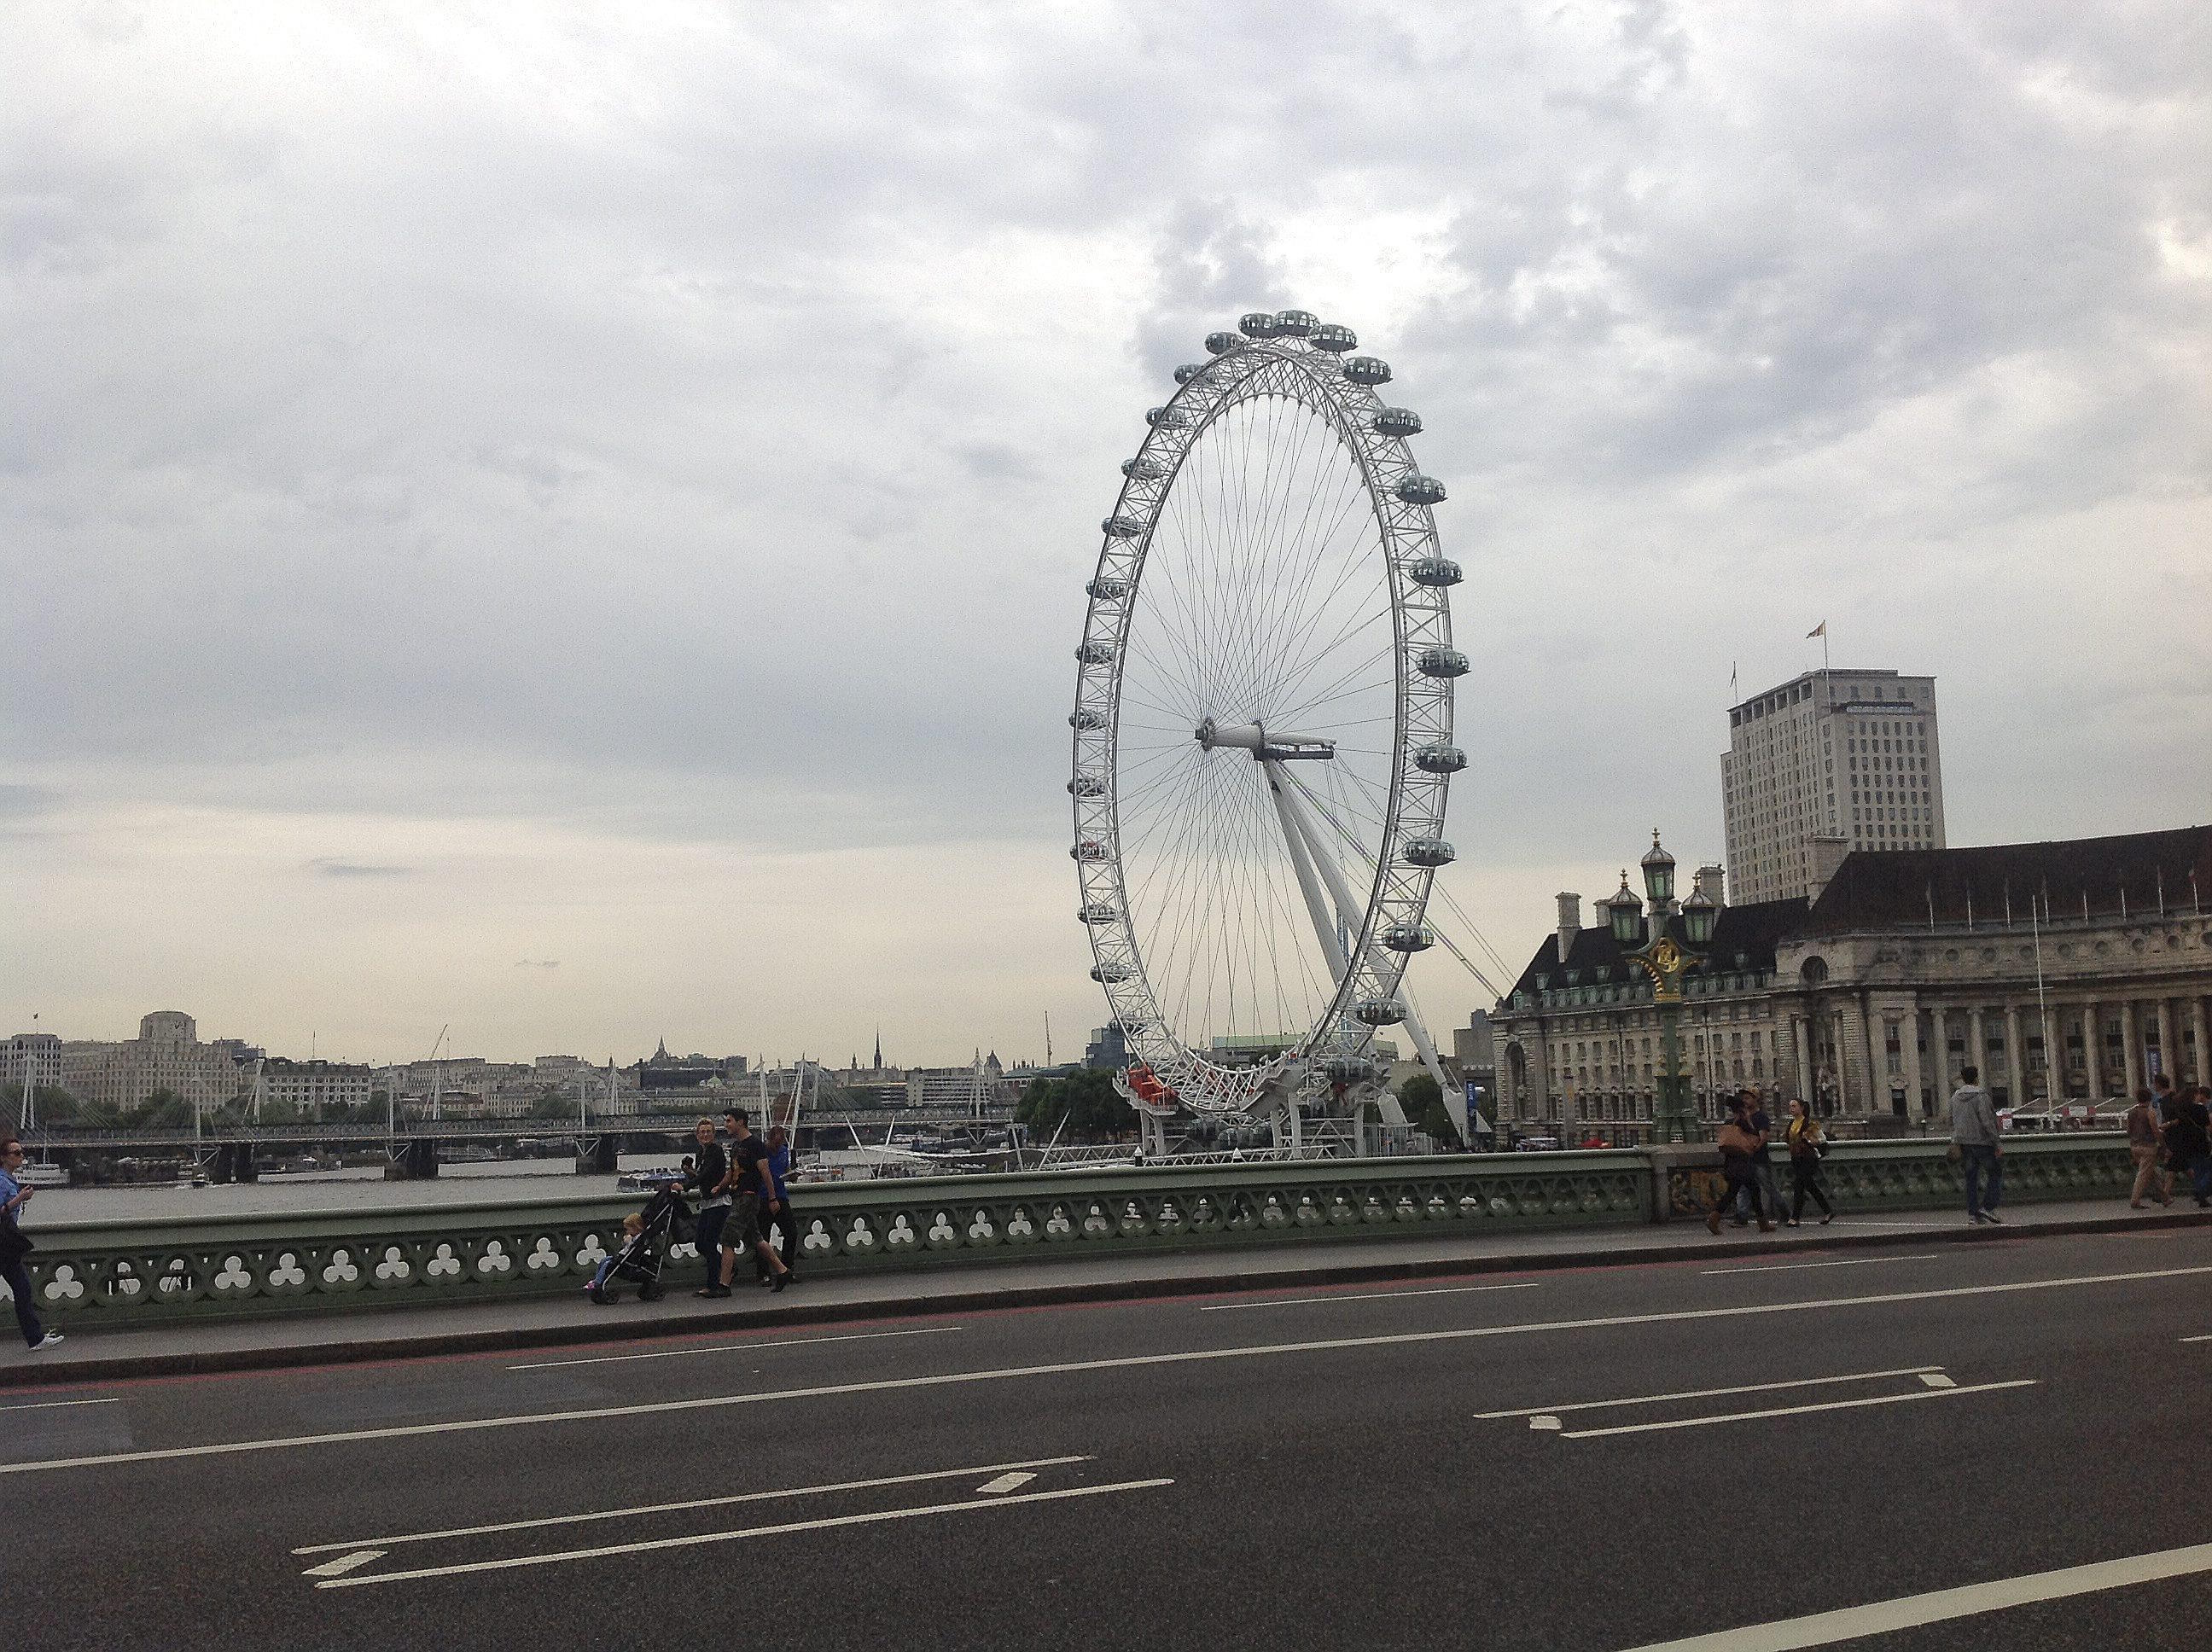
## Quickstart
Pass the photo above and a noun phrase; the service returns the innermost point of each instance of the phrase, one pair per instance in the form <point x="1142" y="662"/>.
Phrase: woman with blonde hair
<point x="1808" y="1142"/>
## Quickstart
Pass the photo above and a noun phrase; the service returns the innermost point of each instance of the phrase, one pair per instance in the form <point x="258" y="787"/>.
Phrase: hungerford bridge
<point x="228" y="1151"/>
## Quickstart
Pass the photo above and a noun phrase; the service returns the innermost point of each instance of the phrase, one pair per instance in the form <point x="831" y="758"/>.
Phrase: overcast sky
<point x="572" y="523"/>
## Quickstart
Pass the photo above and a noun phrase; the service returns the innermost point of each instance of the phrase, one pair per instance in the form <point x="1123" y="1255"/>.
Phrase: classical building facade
<point x="313" y="1088"/>
<point x="2065" y="971"/>
<point x="1851" y="757"/>
<point x="166" y="1055"/>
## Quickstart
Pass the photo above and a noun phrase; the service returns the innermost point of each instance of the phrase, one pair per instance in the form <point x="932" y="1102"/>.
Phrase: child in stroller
<point x="647" y="1234"/>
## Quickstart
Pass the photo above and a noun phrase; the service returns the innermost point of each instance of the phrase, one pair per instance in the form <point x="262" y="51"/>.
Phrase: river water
<point x="361" y="1187"/>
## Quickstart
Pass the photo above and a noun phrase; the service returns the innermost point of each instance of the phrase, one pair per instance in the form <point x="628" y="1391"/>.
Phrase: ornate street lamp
<point x="1664" y="959"/>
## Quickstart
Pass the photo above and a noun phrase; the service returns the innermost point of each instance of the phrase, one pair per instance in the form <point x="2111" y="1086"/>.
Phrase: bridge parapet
<point x="88" y="1273"/>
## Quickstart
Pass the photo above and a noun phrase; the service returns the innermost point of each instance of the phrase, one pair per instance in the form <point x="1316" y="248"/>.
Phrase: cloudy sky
<point x="571" y="522"/>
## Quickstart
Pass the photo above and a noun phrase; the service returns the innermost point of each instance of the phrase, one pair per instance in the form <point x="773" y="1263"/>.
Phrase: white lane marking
<point x="1951" y="1393"/>
<point x="1939" y="1605"/>
<point x="1710" y="1393"/>
<point x="1544" y="1423"/>
<point x="2203" y="1338"/>
<point x="343" y="1563"/>
<point x="1004" y="1483"/>
<point x="1060" y="1368"/>
<point x="693" y="1538"/>
<point x="732" y="1348"/>
<point x="696" y="1503"/>
<point x="1790" y="1267"/>
<point x="1366" y="1296"/>
<point x="49" y="1404"/>
<point x="1937" y="1379"/>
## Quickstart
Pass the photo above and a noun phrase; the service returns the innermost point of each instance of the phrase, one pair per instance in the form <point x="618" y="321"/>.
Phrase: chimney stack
<point x="1571" y="922"/>
<point x="1710" y="884"/>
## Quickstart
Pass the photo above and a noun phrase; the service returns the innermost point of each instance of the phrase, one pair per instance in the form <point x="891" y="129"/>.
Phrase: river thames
<point x="358" y="1187"/>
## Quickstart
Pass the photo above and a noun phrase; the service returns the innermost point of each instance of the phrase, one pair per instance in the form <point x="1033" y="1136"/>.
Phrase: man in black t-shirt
<point x="753" y="1191"/>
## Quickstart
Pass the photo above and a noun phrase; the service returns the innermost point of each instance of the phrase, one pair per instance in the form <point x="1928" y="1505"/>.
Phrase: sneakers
<point x="51" y="1339"/>
<point x="1991" y="1216"/>
<point x="712" y="1291"/>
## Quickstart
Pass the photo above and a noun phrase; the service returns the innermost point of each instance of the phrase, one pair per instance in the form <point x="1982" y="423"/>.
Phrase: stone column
<point x="1939" y="1055"/>
<point x="2054" y="1055"/>
<point x="1910" y="1034"/>
<point x="2204" y="1053"/>
<point x="2130" y="1056"/>
<point x="2093" y="1038"/>
<point x="1800" y="1036"/>
<point x="1977" y="1045"/>
<point x="2016" y="1056"/>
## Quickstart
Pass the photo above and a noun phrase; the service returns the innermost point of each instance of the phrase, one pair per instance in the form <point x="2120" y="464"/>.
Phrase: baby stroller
<point x="665" y="1220"/>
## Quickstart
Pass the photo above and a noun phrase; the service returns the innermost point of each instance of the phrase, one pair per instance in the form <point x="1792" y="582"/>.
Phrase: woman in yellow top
<point x="1807" y="1141"/>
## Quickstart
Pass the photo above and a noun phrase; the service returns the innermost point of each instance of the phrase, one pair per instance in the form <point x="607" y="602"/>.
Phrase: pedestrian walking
<point x="2145" y="1148"/>
<point x="753" y="1199"/>
<point x="1737" y="1143"/>
<point x="1761" y="1125"/>
<point x="2189" y="1141"/>
<point x="779" y="1219"/>
<point x="711" y="1177"/>
<point x="15" y="1245"/>
<point x="1807" y="1144"/>
<point x="1974" y="1142"/>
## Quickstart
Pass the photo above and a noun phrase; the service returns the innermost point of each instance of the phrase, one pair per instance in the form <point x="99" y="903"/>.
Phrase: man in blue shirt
<point x="14" y="1246"/>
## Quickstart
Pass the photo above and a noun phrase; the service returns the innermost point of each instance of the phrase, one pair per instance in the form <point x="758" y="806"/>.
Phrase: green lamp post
<point x="1665" y="959"/>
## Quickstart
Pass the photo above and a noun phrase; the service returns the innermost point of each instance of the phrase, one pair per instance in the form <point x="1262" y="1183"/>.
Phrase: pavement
<point x="272" y="1341"/>
<point x="1900" y="1446"/>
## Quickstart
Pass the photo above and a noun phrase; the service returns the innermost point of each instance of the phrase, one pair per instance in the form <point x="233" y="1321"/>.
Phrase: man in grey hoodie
<point x="1974" y="1136"/>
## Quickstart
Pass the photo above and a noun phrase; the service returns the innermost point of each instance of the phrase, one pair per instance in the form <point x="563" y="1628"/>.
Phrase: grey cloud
<point x="350" y="869"/>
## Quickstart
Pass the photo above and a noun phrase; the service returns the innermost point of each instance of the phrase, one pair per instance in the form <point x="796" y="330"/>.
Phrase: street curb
<point x="596" y="1330"/>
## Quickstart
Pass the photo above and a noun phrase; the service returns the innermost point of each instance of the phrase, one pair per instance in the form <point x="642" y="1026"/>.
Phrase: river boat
<point x="42" y="1176"/>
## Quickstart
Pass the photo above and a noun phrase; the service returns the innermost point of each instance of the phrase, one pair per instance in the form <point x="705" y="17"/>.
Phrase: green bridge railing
<point x="89" y="1273"/>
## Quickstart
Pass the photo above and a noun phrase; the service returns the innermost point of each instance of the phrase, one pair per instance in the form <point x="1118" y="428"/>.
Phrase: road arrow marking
<point x="343" y="1563"/>
<point x="1005" y="1483"/>
<point x="1937" y="1379"/>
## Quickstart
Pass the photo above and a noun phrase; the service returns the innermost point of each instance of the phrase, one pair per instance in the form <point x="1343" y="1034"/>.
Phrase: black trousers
<point x="1805" y="1178"/>
<point x="1740" y="1181"/>
<point x="779" y="1221"/>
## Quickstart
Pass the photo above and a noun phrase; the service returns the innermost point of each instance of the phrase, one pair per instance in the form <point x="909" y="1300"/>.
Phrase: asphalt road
<point x="1604" y="1459"/>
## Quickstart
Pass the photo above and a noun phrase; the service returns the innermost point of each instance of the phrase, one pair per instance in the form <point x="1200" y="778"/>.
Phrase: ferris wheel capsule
<point x="1398" y="421"/>
<point x="1366" y="370"/>
<point x="1143" y="469"/>
<point x="1295" y="324"/>
<point x="1086" y="785"/>
<point x="1442" y="662"/>
<point x="1106" y="589"/>
<point x="1417" y="490"/>
<point x="1409" y="938"/>
<point x="1082" y="719"/>
<point x="1121" y="527"/>
<point x="1260" y="323"/>
<point x="1099" y="912"/>
<point x="1379" y="1012"/>
<point x="1221" y="343"/>
<point x="1095" y="653"/>
<point x="1429" y="852"/>
<point x="1438" y="573"/>
<point x="1333" y="339"/>
<point x="1169" y="416"/>
<point x="1439" y="759"/>
<point x="1188" y="371"/>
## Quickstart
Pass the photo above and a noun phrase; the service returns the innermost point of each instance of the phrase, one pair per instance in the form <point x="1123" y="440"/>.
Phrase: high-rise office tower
<point x="1829" y="762"/>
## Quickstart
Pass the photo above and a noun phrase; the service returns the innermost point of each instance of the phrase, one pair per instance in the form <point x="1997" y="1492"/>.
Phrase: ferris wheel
<point x="1262" y="726"/>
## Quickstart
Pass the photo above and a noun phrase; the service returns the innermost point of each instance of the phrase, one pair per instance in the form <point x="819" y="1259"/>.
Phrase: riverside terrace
<point x="90" y="1274"/>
